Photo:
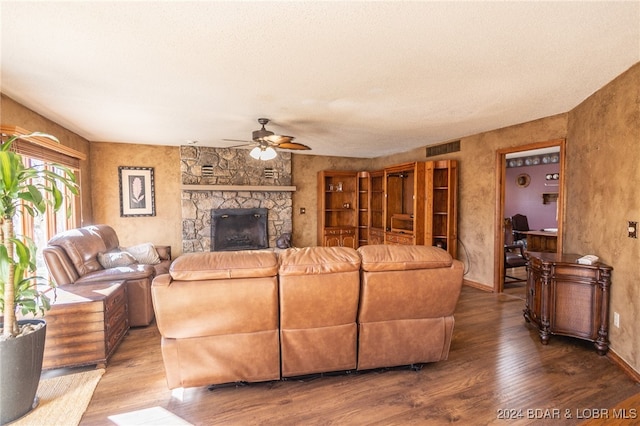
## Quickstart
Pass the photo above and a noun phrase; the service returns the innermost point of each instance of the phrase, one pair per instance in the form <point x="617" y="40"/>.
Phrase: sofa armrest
<point x="164" y="252"/>
<point x="59" y="265"/>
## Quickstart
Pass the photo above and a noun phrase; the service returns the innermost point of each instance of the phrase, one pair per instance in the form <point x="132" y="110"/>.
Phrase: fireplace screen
<point x="239" y="229"/>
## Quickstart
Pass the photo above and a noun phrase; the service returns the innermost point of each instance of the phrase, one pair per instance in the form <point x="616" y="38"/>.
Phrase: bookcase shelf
<point x="338" y="212"/>
<point x="412" y="203"/>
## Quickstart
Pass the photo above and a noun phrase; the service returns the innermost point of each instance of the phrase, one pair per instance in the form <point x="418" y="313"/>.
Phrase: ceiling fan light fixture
<point x="262" y="153"/>
<point x="268" y="154"/>
<point x="256" y="152"/>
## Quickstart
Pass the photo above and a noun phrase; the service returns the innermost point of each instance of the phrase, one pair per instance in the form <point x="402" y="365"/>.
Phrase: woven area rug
<point x="63" y="399"/>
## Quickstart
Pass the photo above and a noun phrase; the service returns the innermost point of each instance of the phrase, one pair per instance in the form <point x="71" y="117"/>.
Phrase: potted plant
<point x="28" y="190"/>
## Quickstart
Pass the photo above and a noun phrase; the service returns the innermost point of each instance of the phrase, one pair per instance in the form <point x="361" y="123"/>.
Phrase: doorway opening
<point x="544" y="236"/>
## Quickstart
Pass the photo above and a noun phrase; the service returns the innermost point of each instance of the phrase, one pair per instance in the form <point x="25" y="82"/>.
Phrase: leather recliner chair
<point x="319" y="293"/>
<point x="407" y="299"/>
<point x="72" y="258"/>
<point x="217" y="313"/>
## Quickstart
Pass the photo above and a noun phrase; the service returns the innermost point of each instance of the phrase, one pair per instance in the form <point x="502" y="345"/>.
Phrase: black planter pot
<point x="20" y="369"/>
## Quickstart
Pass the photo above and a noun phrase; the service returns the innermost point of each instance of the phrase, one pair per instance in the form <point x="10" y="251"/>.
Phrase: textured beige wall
<point x="14" y="114"/>
<point x="165" y="228"/>
<point x="603" y="177"/>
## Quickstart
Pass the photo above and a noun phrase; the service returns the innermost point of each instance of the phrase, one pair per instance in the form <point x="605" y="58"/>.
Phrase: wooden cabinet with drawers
<point x="339" y="237"/>
<point x="85" y="324"/>
<point x="566" y="298"/>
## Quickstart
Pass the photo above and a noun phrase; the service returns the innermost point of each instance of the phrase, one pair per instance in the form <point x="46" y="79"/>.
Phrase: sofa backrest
<point x="221" y="265"/>
<point x="237" y="289"/>
<point x="318" y="260"/>
<point x="402" y="258"/>
<point x="404" y="282"/>
<point x="108" y="235"/>
<point x="81" y="247"/>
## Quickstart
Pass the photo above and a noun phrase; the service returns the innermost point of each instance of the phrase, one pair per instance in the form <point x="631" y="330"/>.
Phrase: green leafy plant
<point x="32" y="190"/>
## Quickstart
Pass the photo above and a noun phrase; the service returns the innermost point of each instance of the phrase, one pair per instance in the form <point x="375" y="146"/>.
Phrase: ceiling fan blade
<point x="240" y="146"/>
<point x="278" y="139"/>
<point x="294" y="146"/>
<point x="237" y="140"/>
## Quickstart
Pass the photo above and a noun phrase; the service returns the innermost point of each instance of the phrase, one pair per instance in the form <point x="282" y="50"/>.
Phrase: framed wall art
<point x="137" y="191"/>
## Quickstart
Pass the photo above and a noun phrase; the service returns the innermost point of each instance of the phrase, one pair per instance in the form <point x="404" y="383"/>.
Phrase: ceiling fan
<point x="266" y="142"/>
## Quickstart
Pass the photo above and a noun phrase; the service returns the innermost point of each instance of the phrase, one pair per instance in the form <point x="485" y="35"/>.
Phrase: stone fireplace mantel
<point x="263" y="188"/>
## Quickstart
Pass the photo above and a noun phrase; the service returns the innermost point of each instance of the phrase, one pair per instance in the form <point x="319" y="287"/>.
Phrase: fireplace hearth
<point x="239" y="229"/>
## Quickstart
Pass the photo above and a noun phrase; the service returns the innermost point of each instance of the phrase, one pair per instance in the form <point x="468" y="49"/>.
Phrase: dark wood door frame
<point x="501" y="155"/>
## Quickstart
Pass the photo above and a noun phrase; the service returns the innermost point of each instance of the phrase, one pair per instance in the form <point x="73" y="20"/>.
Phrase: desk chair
<point x="513" y="252"/>
<point x="520" y="224"/>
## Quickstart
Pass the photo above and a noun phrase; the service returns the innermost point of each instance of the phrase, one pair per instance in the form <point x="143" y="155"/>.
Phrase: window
<point x="40" y="151"/>
<point x="43" y="227"/>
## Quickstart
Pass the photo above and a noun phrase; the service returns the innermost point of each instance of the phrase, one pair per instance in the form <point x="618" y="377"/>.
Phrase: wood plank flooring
<point x="496" y="368"/>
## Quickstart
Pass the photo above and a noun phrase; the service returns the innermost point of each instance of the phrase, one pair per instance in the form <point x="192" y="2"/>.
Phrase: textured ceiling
<point x="359" y="79"/>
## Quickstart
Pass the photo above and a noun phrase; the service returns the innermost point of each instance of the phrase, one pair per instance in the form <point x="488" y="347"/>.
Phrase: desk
<point x="541" y="241"/>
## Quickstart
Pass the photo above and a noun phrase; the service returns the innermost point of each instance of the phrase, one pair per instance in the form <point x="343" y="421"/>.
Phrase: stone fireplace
<point x="239" y="229"/>
<point x="225" y="178"/>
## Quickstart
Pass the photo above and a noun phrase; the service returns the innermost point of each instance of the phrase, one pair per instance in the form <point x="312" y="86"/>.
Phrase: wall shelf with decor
<point x="376" y="229"/>
<point x="338" y="208"/>
<point x="441" y="228"/>
<point x="549" y="197"/>
<point x="364" y="207"/>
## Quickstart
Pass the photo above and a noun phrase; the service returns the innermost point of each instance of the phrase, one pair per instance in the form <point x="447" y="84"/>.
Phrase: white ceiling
<point x="359" y="79"/>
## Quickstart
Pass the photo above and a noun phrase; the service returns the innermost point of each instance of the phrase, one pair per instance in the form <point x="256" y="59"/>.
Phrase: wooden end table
<point x="85" y="324"/>
<point x="567" y="298"/>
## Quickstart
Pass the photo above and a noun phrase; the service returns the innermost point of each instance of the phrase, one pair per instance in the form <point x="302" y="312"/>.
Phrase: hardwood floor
<point x="496" y="368"/>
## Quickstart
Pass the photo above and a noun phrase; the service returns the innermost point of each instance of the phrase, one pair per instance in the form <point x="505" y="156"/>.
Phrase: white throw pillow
<point x="145" y="253"/>
<point x="113" y="259"/>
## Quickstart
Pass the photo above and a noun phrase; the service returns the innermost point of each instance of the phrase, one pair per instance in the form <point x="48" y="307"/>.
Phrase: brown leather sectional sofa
<point x="72" y="258"/>
<point x="260" y="315"/>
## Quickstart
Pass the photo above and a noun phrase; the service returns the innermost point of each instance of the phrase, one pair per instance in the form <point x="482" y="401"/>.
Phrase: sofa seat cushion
<point x="401" y="258"/>
<point x="318" y="260"/>
<point x="131" y="272"/>
<point x="222" y="265"/>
